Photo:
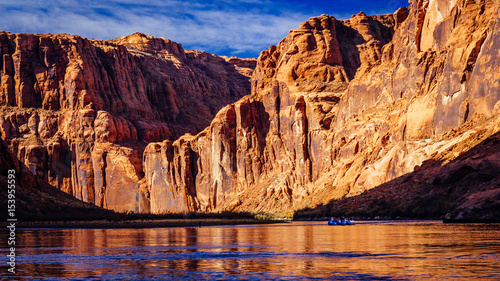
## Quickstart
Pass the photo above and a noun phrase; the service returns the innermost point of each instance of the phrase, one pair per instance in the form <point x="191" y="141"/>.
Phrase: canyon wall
<point x="35" y="199"/>
<point x="336" y="109"/>
<point x="339" y="107"/>
<point x="79" y="113"/>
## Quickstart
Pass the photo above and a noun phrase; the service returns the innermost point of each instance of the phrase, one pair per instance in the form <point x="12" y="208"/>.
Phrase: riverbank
<point x="140" y="223"/>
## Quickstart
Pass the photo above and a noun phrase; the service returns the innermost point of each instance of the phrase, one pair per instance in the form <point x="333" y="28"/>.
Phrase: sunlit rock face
<point x="339" y="107"/>
<point x="336" y="109"/>
<point x="35" y="199"/>
<point x="80" y="112"/>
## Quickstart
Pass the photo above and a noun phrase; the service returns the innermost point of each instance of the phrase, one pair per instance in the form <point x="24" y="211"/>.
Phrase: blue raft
<point x="341" y="222"/>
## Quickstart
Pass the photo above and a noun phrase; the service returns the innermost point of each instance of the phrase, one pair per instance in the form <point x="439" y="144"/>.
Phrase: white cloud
<point x="220" y="27"/>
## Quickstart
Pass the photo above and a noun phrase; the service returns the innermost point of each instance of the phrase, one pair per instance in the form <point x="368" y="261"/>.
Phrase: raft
<point x="343" y="222"/>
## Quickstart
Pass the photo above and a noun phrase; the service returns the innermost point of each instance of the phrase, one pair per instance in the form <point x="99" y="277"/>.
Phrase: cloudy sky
<point x="242" y="28"/>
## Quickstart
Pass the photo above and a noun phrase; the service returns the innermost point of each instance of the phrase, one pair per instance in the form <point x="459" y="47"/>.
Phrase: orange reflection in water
<point x="299" y="249"/>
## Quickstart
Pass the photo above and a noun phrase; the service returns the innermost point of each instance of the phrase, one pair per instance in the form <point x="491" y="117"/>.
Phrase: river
<point x="296" y="250"/>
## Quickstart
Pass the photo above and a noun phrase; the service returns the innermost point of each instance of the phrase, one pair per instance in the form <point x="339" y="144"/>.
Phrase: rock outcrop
<point x="79" y="113"/>
<point x="341" y="107"/>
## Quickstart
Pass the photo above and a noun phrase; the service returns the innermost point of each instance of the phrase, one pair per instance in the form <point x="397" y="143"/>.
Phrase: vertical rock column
<point x="7" y="95"/>
<point x="166" y="177"/>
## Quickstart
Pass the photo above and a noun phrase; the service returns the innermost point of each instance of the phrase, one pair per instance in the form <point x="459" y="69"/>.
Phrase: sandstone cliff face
<point x="466" y="188"/>
<point x="36" y="199"/>
<point x="79" y="113"/>
<point x="337" y="109"/>
<point x="324" y="54"/>
<point x="262" y="143"/>
<point x="340" y="107"/>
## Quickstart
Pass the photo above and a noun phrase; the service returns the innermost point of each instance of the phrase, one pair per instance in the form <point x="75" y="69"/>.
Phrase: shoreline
<point x="188" y="222"/>
<point x="161" y="223"/>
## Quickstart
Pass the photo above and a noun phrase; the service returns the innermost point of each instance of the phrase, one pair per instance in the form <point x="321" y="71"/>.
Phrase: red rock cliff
<point x="340" y="107"/>
<point x="79" y="112"/>
<point x="262" y="142"/>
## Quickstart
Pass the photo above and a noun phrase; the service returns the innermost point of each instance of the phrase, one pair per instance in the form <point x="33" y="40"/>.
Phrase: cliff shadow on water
<point x="467" y="189"/>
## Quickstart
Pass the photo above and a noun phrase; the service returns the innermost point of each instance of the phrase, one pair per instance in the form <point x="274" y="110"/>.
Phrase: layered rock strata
<point x="79" y="113"/>
<point x="340" y="107"/>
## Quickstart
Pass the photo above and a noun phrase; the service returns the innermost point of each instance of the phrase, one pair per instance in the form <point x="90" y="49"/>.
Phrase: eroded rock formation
<point x="337" y="108"/>
<point x="35" y="199"/>
<point x="340" y="107"/>
<point x="79" y="113"/>
<point x="466" y="188"/>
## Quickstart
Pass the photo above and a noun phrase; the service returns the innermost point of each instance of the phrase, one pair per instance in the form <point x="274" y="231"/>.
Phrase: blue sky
<point x="242" y="28"/>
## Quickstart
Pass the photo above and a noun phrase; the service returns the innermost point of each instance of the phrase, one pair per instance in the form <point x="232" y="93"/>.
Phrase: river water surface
<point x="297" y="250"/>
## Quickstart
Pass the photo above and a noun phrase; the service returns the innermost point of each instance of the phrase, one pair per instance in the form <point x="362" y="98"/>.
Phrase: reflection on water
<point x="392" y="251"/>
